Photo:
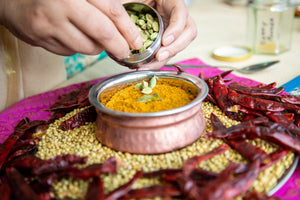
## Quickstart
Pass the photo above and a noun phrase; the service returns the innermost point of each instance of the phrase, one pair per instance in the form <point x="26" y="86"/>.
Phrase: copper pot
<point x="153" y="132"/>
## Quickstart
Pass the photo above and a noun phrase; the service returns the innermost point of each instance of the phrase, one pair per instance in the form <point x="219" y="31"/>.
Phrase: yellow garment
<point x="26" y="70"/>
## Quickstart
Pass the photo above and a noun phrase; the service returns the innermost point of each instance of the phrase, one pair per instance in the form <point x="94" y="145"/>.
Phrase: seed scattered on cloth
<point x="82" y="141"/>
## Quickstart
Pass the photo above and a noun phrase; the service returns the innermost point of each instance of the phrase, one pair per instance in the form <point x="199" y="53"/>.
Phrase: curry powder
<point x="173" y="93"/>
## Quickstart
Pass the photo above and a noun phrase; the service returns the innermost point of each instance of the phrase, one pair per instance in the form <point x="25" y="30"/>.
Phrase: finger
<point x="100" y="28"/>
<point x="70" y="36"/>
<point x="153" y="65"/>
<point x="117" y="13"/>
<point x="54" y="46"/>
<point x="176" y="24"/>
<point x="187" y="36"/>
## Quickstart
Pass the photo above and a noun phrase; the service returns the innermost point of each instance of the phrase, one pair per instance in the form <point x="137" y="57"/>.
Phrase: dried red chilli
<point x="79" y="119"/>
<point x="220" y="92"/>
<point x="23" y="144"/>
<point x="248" y="150"/>
<point x="22" y="130"/>
<point x="152" y="192"/>
<point x="23" y="148"/>
<point x="255" y="91"/>
<point x="21" y="190"/>
<point x="27" y="161"/>
<point x="5" y="191"/>
<point x="289" y="116"/>
<point x="171" y="175"/>
<point x="179" y="68"/>
<point x="210" y="80"/>
<point x="221" y="95"/>
<point x="222" y="75"/>
<point x="248" y="111"/>
<point x="293" y="99"/>
<point x="42" y="189"/>
<point x="57" y="163"/>
<point x="265" y="86"/>
<point x="210" y="98"/>
<point x="281" y="119"/>
<point x="297" y="120"/>
<point x="123" y="189"/>
<point x="95" y="190"/>
<point x="258" y="129"/>
<point x="254" y="102"/>
<point x="6" y="147"/>
<point x="291" y="107"/>
<point x="161" y="172"/>
<point x="66" y="103"/>
<point x="83" y="96"/>
<point x="109" y="166"/>
<point x="71" y="100"/>
<point x="192" y="191"/>
<point x="279" y="137"/>
<point x="27" y="130"/>
<point x="268" y="95"/>
<point x="199" y="173"/>
<point x="8" y="144"/>
<point x="273" y="158"/>
<point x="233" y="185"/>
<point x="191" y="163"/>
<point x="216" y="122"/>
<point x="235" y="129"/>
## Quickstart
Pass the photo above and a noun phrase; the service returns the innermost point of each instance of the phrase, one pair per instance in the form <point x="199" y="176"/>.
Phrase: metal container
<point x="135" y="60"/>
<point x="153" y="132"/>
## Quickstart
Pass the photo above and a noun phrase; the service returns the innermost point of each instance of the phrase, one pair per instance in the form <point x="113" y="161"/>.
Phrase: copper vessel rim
<point x="126" y="77"/>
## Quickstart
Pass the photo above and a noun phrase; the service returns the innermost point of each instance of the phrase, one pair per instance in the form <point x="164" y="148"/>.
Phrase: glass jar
<point x="270" y="26"/>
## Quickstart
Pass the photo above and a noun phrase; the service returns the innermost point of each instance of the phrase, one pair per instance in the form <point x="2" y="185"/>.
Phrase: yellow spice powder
<point x="173" y="93"/>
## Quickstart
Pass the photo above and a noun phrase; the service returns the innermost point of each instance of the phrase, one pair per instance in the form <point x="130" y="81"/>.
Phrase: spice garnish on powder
<point x="150" y="95"/>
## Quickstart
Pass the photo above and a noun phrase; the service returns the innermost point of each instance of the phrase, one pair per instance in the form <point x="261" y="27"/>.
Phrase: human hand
<point x="66" y="27"/>
<point x="180" y="30"/>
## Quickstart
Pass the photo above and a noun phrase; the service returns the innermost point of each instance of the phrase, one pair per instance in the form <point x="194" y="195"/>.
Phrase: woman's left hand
<point x="180" y="30"/>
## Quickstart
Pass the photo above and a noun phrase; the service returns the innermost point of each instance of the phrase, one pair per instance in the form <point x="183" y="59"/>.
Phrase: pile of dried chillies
<point x="263" y="111"/>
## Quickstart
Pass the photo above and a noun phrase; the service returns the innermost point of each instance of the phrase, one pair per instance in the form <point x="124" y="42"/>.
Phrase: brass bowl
<point x="152" y="132"/>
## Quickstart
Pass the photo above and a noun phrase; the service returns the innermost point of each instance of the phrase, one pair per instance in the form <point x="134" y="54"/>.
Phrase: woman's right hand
<point x="66" y="27"/>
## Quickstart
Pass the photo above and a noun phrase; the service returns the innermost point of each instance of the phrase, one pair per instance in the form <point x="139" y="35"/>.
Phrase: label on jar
<point x="267" y="31"/>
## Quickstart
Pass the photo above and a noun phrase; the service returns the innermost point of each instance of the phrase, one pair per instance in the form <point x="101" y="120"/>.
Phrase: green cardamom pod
<point x="134" y="18"/>
<point x="140" y="22"/>
<point x="138" y="86"/>
<point x="147" y="90"/>
<point x="148" y="98"/>
<point x="149" y="17"/>
<point x="152" y="82"/>
<point x="153" y="36"/>
<point x="155" y="26"/>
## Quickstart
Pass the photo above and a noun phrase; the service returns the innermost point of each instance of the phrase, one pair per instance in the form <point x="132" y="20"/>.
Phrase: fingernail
<point x="163" y="55"/>
<point x="126" y="55"/>
<point x="168" y="40"/>
<point x="138" y="42"/>
<point x="144" y="68"/>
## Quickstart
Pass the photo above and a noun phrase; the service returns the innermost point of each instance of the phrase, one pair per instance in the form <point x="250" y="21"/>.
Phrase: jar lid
<point x="232" y="53"/>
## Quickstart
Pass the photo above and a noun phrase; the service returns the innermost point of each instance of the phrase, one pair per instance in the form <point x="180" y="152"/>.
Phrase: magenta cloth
<point x="35" y="109"/>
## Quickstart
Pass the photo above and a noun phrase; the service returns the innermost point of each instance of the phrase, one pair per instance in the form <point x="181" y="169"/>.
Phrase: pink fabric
<point x="35" y="109"/>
